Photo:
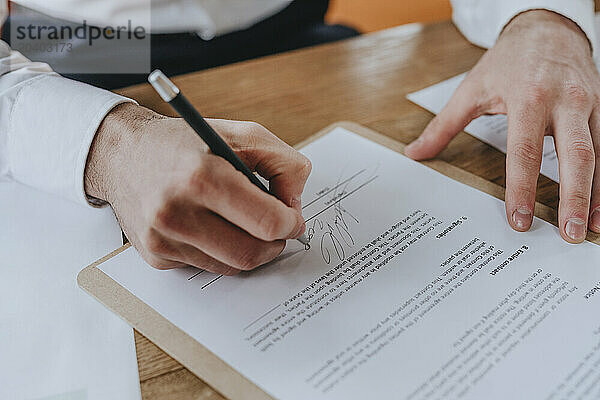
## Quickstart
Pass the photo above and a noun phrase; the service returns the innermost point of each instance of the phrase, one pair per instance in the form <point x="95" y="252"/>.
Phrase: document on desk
<point x="414" y="288"/>
<point x="55" y="341"/>
<point x="491" y="129"/>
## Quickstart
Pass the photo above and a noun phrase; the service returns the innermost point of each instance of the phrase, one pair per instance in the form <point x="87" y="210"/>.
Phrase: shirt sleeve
<point x="482" y="21"/>
<point x="47" y="124"/>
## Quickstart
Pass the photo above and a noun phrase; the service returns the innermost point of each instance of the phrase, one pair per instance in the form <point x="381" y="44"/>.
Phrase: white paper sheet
<point x="415" y="287"/>
<point x="56" y="342"/>
<point x="490" y="129"/>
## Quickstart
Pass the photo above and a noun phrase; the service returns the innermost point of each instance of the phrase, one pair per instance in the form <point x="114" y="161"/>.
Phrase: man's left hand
<point x="542" y="75"/>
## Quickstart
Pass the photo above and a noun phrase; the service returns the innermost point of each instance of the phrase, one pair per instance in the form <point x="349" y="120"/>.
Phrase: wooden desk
<point x="296" y="94"/>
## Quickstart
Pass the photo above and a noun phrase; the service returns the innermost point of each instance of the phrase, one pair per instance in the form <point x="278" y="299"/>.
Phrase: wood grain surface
<point x="296" y="94"/>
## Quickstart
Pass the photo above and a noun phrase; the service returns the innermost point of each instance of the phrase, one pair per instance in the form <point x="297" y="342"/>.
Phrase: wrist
<point x="112" y="148"/>
<point x="543" y="24"/>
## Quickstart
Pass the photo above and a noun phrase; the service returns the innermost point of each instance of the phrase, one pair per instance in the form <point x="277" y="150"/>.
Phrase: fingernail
<point x="575" y="229"/>
<point x="595" y="220"/>
<point x="299" y="228"/>
<point x="300" y="231"/>
<point x="522" y="218"/>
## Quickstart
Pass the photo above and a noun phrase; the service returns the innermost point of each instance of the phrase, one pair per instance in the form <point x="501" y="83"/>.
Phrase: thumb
<point x="287" y="171"/>
<point x="456" y="115"/>
<point x="285" y="168"/>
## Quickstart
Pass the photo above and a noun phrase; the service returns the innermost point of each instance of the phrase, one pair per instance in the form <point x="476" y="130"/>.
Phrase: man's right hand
<point x="181" y="205"/>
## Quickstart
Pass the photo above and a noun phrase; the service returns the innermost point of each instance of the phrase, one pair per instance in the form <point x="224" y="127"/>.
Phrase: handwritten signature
<point x="336" y="233"/>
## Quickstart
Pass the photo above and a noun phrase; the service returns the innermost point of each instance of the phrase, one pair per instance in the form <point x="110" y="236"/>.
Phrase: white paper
<point x="397" y="298"/>
<point x="491" y="129"/>
<point x="56" y="342"/>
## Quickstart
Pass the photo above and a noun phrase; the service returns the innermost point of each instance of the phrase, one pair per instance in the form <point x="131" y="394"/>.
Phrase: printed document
<point x="414" y="287"/>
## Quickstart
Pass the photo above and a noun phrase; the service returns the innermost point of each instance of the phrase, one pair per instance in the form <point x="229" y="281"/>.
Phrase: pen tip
<point x="305" y="241"/>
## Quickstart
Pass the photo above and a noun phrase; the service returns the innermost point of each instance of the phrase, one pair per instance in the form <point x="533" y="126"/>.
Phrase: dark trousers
<point x="299" y="25"/>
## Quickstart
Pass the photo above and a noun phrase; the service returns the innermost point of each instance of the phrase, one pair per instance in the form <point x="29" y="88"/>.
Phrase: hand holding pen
<point x="179" y="204"/>
<point x="172" y="95"/>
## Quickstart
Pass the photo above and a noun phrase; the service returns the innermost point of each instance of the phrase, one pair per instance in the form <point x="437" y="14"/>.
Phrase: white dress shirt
<point x="208" y="17"/>
<point x="48" y="122"/>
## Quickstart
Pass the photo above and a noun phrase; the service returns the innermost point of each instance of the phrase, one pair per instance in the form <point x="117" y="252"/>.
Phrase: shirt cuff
<point x="52" y="125"/>
<point x="483" y="25"/>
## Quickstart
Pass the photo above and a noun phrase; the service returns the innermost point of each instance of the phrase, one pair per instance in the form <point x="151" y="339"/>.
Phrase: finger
<point x="576" y="166"/>
<point x="217" y="238"/>
<point x="456" y="115"/>
<point x="595" y="200"/>
<point x="286" y="169"/>
<point x="525" y="145"/>
<point x="287" y="178"/>
<point x="196" y="258"/>
<point x="162" y="264"/>
<point x="222" y="189"/>
<point x="157" y="261"/>
<point x="168" y="254"/>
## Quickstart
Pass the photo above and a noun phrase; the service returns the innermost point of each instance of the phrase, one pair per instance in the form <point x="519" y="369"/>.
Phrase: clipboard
<point x="192" y="354"/>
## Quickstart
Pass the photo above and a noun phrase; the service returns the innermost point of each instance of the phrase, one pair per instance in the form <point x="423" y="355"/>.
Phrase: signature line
<point x="261" y="317"/>
<point x="214" y="280"/>
<point x="337" y="186"/>
<point x="334" y="203"/>
<point x="195" y="275"/>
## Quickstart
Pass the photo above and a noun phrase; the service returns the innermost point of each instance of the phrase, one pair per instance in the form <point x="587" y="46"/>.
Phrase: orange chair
<point x="372" y="15"/>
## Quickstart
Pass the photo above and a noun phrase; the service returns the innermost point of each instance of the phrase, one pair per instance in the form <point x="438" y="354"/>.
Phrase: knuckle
<point x="248" y="259"/>
<point x="271" y="226"/>
<point x="577" y="94"/>
<point x="251" y="131"/>
<point x="156" y="245"/>
<point x="581" y="151"/>
<point x="166" y="218"/>
<point x="578" y="200"/>
<point x="526" y="154"/>
<point x="249" y="141"/>
<point x="304" y="166"/>
<point x="256" y="127"/>
<point x="536" y="94"/>
<point x="520" y="190"/>
<point x="200" y="177"/>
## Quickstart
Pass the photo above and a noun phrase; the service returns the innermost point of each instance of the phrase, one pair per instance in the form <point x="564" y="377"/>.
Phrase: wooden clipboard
<point x="192" y="354"/>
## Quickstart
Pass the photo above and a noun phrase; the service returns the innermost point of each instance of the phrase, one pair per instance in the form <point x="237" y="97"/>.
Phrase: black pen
<point x="172" y="95"/>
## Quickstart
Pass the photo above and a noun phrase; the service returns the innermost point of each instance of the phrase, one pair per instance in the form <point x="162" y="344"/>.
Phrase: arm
<point x="47" y="124"/>
<point x="177" y="203"/>
<point x="540" y="72"/>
